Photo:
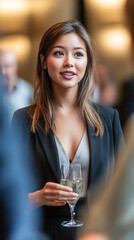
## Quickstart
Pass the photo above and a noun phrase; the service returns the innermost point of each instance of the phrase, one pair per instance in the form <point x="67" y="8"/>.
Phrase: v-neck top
<point x="82" y="157"/>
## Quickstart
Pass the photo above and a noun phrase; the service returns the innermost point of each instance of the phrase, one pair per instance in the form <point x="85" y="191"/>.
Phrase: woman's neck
<point x="65" y="101"/>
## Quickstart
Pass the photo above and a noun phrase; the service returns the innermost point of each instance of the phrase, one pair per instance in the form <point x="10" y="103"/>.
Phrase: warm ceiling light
<point x="8" y="7"/>
<point x="114" y="41"/>
<point x="19" y="44"/>
<point x="107" y="3"/>
<point x="14" y="6"/>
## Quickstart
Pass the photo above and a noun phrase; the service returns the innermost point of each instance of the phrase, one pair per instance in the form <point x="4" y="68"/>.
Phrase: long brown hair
<point x="43" y="94"/>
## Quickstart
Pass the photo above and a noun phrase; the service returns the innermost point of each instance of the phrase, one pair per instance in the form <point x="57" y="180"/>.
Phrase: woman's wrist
<point x="35" y="199"/>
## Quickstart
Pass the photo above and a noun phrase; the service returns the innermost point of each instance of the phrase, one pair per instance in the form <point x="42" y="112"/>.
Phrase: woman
<point x="63" y="125"/>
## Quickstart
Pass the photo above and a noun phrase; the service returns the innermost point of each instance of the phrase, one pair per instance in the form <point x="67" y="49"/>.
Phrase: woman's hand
<point x="53" y="194"/>
<point x="94" y="236"/>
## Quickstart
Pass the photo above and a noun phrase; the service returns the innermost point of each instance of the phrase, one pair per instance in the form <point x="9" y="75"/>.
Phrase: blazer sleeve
<point x="117" y="132"/>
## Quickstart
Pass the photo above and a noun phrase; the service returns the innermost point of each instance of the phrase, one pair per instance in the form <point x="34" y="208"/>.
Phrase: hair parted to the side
<point x="43" y="94"/>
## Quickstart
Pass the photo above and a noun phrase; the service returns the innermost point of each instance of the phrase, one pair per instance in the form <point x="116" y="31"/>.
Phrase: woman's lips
<point x="68" y="74"/>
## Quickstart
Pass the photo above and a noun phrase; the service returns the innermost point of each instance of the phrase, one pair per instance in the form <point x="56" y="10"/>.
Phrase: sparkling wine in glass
<point x="71" y="176"/>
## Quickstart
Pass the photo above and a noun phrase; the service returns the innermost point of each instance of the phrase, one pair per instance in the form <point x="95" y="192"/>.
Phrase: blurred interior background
<point x="23" y="22"/>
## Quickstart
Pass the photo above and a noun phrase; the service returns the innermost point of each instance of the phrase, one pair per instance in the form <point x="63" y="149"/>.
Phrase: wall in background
<point x="23" y="22"/>
<point x="106" y="22"/>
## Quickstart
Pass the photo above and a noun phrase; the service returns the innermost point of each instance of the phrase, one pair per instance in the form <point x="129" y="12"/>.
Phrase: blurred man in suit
<point x="19" y="93"/>
<point x="16" y="218"/>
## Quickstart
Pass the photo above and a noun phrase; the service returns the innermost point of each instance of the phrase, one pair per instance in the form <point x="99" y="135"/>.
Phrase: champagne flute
<point x="71" y="176"/>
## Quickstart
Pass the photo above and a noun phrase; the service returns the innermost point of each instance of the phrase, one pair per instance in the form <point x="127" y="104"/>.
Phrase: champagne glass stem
<point x="72" y="213"/>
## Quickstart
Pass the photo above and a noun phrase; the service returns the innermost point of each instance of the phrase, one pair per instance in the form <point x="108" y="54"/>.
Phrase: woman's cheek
<point x="53" y="65"/>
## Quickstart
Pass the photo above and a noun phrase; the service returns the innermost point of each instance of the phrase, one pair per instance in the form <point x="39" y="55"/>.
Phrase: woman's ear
<point x="43" y="63"/>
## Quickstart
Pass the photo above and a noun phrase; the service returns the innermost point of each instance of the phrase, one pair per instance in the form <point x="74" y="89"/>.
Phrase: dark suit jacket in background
<point x="16" y="222"/>
<point x="45" y="162"/>
<point x="126" y="105"/>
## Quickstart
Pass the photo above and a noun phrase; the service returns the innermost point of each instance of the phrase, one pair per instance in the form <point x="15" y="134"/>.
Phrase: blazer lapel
<point x="50" y="149"/>
<point x="95" y="152"/>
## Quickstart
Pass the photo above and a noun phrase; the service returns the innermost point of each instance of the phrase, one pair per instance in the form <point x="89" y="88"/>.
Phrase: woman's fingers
<point x="60" y="193"/>
<point x="60" y="198"/>
<point x="57" y="186"/>
<point x="57" y="195"/>
<point x="56" y="203"/>
<point x="57" y="189"/>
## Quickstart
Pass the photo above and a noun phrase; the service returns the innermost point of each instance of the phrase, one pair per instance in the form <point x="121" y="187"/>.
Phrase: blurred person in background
<point x="126" y="103"/>
<point x="65" y="126"/>
<point x="106" y="89"/>
<point x="16" y="218"/>
<point x="18" y="92"/>
<point x="111" y="215"/>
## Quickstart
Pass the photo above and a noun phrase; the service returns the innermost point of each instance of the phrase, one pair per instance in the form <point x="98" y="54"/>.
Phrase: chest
<point x="45" y="153"/>
<point x="70" y="130"/>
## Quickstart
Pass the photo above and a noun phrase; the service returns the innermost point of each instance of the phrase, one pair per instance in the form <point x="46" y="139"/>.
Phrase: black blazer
<point x="45" y="161"/>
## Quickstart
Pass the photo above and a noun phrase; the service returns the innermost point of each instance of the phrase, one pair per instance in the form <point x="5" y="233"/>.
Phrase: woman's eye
<point x="78" y="54"/>
<point x="58" y="53"/>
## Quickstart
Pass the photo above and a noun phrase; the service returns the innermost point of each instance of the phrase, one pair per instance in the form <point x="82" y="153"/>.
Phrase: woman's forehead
<point x="72" y="39"/>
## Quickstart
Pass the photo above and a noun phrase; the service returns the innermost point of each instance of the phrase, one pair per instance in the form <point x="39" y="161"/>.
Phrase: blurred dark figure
<point x="129" y="9"/>
<point x="126" y="105"/>
<point x="19" y="93"/>
<point x="16" y="220"/>
<point x="106" y="89"/>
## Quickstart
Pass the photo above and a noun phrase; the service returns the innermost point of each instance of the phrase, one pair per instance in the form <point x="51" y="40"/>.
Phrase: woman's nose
<point x="68" y="61"/>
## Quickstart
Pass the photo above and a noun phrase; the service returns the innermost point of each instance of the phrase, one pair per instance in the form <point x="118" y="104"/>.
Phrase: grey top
<point x="82" y="157"/>
<point x="20" y="97"/>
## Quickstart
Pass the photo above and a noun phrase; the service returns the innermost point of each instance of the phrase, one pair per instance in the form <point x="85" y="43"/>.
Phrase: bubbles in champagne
<point x="76" y="185"/>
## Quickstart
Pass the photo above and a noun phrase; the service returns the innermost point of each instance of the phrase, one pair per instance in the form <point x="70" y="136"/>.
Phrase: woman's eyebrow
<point x="75" y="48"/>
<point x="58" y="47"/>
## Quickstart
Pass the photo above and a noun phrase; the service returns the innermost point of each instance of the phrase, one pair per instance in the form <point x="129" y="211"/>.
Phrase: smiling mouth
<point x="68" y="73"/>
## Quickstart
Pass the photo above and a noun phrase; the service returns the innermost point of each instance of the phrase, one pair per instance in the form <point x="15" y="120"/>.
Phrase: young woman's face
<point x="67" y="61"/>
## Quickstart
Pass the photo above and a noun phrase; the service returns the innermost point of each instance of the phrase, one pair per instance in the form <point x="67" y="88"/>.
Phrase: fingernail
<point x="70" y="189"/>
<point x="75" y="194"/>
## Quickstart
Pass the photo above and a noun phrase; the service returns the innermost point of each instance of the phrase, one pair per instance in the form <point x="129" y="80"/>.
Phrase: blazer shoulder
<point x="111" y="121"/>
<point x="105" y="111"/>
<point x="22" y="113"/>
<point x="108" y="115"/>
<point x="22" y="118"/>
